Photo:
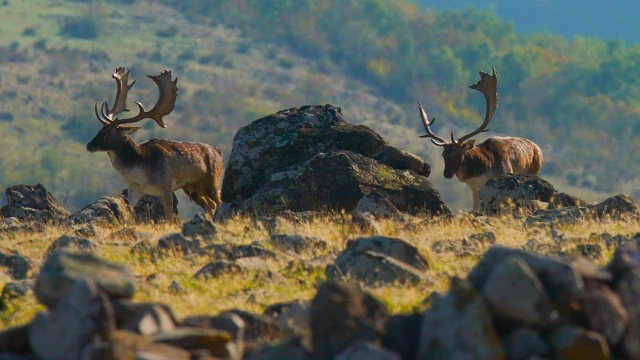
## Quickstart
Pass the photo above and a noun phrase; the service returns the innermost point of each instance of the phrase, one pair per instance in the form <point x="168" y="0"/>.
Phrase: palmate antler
<point x="488" y="85"/>
<point x="166" y="101"/>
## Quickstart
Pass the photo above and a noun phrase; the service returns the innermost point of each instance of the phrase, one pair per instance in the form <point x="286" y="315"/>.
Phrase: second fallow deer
<point x="475" y="164"/>
<point x="157" y="167"/>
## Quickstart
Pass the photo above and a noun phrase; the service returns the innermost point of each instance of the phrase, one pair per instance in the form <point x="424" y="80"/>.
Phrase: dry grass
<point x="254" y="292"/>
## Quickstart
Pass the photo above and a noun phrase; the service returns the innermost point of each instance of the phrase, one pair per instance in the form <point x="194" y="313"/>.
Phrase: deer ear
<point x="128" y="130"/>
<point x="469" y="144"/>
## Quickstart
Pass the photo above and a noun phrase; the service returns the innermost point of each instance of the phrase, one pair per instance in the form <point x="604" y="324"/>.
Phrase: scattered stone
<point x="374" y="269"/>
<point x="342" y="314"/>
<point x="291" y="349"/>
<point x="392" y="247"/>
<point x="297" y="243"/>
<point x="524" y="343"/>
<point x="29" y="202"/>
<point x="486" y="237"/>
<point x="514" y="292"/>
<point x="63" y="268"/>
<point x="501" y="193"/>
<point x="107" y="209"/>
<point x="560" y="280"/>
<point x="367" y="351"/>
<point x="378" y="205"/>
<point x="591" y="251"/>
<point x="70" y="241"/>
<point x="234" y="252"/>
<point x="199" y="225"/>
<point x="150" y="208"/>
<point x="17" y="289"/>
<point x="571" y="342"/>
<point x="604" y="310"/>
<point x="18" y="266"/>
<point x="402" y="335"/>
<point x="15" y="340"/>
<point x="442" y="246"/>
<point x="539" y="246"/>
<point x="558" y="217"/>
<point x="616" y="241"/>
<point x="563" y="200"/>
<point x="365" y="222"/>
<point x="177" y="241"/>
<point x="259" y="327"/>
<point x="628" y="289"/>
<point x="459" y="326"/>
<point x="616" y="205"/>
<point x="127" y="345"/>
<point x="128" y="234"/>
<point x="81" y="313"/>
<point x="229" y="322"/>
<point x="196" y="338"/>
<point x="176" y="288"/>
<point x="218" y="268"/>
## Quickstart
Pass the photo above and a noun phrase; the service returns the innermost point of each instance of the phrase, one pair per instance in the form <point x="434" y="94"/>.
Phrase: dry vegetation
<point x="157" y="271"/>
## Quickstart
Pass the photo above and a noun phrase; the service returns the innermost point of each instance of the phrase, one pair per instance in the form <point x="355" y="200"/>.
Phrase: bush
<point x="81" y="28"/>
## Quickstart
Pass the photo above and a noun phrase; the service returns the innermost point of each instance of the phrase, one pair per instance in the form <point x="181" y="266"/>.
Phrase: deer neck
<point x="477" y="162"/>
<point x="126" y="156"/>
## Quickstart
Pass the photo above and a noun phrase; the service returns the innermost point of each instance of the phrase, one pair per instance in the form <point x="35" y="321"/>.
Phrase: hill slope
<point x="241" y="60"/>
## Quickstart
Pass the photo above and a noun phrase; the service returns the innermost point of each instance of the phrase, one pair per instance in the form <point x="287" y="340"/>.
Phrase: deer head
<point x="454" y="151"/>
<point x="113" y="134"/>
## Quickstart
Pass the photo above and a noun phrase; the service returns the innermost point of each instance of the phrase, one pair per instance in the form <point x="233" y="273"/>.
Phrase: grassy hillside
<point x="240" y="60"/>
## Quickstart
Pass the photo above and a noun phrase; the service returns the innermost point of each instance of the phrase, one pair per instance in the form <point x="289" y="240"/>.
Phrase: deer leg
<point x="167" y="201"/>
<point x="476" y="200"/>
<point x="134" y="195"/>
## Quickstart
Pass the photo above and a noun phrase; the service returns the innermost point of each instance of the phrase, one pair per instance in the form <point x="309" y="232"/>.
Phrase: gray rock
<point x="234" y="252"/>
<point x="291" y="349"/>
<point x="514" y="292"/>
<point x="342" y="314"/>
<point x="150" y="208"/>
<point x="14" y="340"/>
<point x="80" y="313"/>
<point x="616" y="241"/>
<point x="558" y="217"/>
<point x="503" y="192"/>
<point x="442" y="246"/>
<point x="562" y="200"/>
<point x="177" y="241"/>
<point x="218" y="268"/>
<point x="213" y="340"/>
<point x="628" y="288"/>
<point x="259" y="327"/>
<point x="374" y="269"/>
<point x="27" y="202"/>
<point x="297" y="243"/>
<point x="17" y="289"/>
<point x="18" y="266"/>
<point x="70" y="241"/>
<point x="570" y="342"/>
<point x="152" y="320"/>
<point x="107" y="209"/>
<point x="402" y="335"/>
<point x="539" y="246"/>
<point x="604" y="310"/>
<point x="392" y="247"/>
<point x="199" y="225"/>
<point x="62" y="269"/>
<point x="561" y="281"/>
<point x="459" y="327"/>
<point x="615" y="206"/>
<point x="524" y="343"/>
<point x="365" y="222"/>
<point x="229" y="322"/>
<point x="298" y="145"/>
<point x="367" y="351"/>
<point x="378" y="205"/>
<point x="591" y="251"/>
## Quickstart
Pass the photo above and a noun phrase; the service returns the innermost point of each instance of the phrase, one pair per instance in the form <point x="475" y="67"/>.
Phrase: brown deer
<point x="475" y="164"/>
<point x="157" y="167"/>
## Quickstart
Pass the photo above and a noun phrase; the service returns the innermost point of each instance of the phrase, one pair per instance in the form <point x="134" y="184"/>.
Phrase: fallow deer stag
<point x="475" y="164"/>
<point x="157" y="167"/>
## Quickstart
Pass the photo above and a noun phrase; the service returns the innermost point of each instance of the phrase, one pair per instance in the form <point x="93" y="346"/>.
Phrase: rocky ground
<point x="320" y="286"/>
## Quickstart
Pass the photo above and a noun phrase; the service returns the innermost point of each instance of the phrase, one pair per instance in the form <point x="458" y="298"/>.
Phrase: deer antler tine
<point x="488" y="86"/>
<point x="426" y="123"/>
<point x="100" y="118"/>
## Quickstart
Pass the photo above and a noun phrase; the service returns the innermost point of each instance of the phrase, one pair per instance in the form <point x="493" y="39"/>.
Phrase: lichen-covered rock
<point x="616" y="206"/>
<point x="199" y="226"/>
<point x="29" y="202"/>
<point x="18" y="266"/>
<point x="309" y="158"/>
<point x="563" y="216"/>
<point x="107" y="209"/>
<point x="70" y="241"/>
<point x="380" y="259"/>
<point x="503" y="192"/>
<point x="562" y="200"/>
<point x="150" y="208"/>
<point x="297" y="243"/>
<point x="377" y="205"/>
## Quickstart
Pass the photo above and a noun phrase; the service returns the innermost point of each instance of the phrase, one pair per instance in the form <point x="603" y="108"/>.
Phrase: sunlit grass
<point x="254" y="291"/>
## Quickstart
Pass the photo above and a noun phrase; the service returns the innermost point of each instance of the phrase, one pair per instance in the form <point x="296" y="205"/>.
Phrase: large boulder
<point x="512" y="191"/>
<point x="150" y="208"/>
<point x="309" y="158"/>
<point x="29" y="202"/>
